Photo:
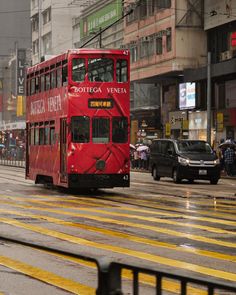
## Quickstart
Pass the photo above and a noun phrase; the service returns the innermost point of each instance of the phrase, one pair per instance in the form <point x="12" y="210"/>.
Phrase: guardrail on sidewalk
<point x="109" y="275"/>
<point x="12" y="162"/>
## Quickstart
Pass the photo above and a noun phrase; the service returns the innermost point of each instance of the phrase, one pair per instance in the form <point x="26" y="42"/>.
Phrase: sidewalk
<point x="223" y="174"/>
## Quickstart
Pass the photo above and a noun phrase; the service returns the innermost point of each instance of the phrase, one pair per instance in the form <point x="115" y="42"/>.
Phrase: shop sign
<point x="176" y="119"/>
<point x="219" y="122"/>
<point x="21" y="70"/>
<point x="198" y="120"/>
<point x="167" y="129"/>
<point x="185" y="124"/>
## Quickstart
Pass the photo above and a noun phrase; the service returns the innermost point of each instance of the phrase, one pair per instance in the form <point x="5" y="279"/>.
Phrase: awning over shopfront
<point x="223" y="68"/>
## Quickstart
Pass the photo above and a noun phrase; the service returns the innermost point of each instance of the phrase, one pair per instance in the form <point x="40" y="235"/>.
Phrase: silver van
<point x="183" y="159"/>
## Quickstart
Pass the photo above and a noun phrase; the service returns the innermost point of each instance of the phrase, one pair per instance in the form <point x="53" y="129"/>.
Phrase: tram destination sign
<point x="100" y="103"/>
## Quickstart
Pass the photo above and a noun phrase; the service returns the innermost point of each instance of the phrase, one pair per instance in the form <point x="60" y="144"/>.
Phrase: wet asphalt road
<point x="185" y="228"/>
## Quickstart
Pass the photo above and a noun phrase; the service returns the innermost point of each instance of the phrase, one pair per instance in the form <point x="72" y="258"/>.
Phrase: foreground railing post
<point x="103" y="277"/>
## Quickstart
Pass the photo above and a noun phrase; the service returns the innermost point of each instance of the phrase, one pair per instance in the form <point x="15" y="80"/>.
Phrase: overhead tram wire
<point x="137" y="4"/>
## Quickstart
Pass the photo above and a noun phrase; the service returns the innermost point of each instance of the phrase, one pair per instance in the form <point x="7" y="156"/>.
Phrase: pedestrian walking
<point x="229" y="157"/>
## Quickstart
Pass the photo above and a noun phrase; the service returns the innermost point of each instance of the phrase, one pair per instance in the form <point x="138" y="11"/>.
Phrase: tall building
<point x="164" y="37"/>
<point x="51" y="26"/>
<point x="14" y="35"/>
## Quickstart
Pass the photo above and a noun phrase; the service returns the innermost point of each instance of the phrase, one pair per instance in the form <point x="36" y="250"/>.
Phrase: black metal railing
<point x="12" y="161"/>
<point x="110" y="279"/>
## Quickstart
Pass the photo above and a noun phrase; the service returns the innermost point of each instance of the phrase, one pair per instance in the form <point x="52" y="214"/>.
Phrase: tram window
<point x="32" y="82"/>
<point x="32" y="136"/>
<point x="80" y="129"/>
<point x="121" y="70"/>
<point x="53" y="79"/>
<point x="41" y="136"/>
<point x="101" y="130"/>
<point x="59" y="78"/>
<point x="119" y="129"/>
<point x="52" y="135"/>
<point x="101" y="69"/>
<point x="36" y="136"/>
<point x="28" y="87"/>
<point x="42" y="83"/>
<point x="47" y="81"/>
<point x="64" y="75"/>
<point x="78" y="69"/>
<point x="37" y="84"/>
<point x="46" y="134"/>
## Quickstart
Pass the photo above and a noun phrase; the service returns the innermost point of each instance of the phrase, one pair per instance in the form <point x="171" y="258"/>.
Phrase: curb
<point x="146" y="171"/>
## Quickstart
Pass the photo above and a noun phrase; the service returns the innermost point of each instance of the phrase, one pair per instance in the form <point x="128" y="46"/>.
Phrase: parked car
<point x="184" y="159"/>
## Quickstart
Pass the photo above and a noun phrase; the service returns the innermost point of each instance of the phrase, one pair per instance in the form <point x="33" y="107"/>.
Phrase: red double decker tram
<point x="78" y="118"/>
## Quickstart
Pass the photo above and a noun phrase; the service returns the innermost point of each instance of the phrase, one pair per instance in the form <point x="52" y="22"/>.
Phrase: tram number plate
<point x="202" y="172"/>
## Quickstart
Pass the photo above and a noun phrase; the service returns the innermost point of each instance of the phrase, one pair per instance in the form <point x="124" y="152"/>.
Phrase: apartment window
<point x="159" y="48"/>
<point x="133" y="15"/>
<point x="35" y="23"/>
<point x="33" y="3"/>
<point x="35" y="46"/>
<point x="47" y="43"/>
<point x="151" y="7"/>
<point x="144" y="49"/>
<point x="143" y="8"/>
<point x="133" y="53"/>
<point x="163" y="4"/>
<point x="168" y="40"/>
<point x="47" y="15"/>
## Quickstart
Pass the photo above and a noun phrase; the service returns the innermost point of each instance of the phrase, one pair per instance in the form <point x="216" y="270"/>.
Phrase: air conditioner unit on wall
<point x="226" y="55"/>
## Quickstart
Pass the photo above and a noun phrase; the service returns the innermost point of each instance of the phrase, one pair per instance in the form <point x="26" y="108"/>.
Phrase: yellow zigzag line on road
<point x="124" y="251"/>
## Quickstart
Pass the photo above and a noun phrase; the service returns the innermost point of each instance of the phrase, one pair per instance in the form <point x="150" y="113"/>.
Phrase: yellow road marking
<point x="121" y="235"/>
<point x="88" y="202"/>
<point x="152" y="219"/>
<point x="125" y="251"/>
<point x="171" y="208"/>
<point x="143" y="226"/>
<point x="46" y="276"/>
<point x="186" y="194"/>
<point x="167" y="285"/>
<point x="161" y="207"/>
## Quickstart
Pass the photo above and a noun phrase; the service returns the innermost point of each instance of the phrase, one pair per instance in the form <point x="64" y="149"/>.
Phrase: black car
<point x="184" y="159"/>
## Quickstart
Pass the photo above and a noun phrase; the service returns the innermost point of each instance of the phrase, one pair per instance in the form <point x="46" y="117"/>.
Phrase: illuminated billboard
<point x="187" y="95"/>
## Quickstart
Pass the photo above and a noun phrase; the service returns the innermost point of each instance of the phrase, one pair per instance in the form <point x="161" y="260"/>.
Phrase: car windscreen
<point x="194" y="146"/>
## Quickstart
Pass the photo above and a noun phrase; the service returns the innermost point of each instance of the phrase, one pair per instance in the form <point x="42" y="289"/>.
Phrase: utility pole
<point x="209" y="97"/>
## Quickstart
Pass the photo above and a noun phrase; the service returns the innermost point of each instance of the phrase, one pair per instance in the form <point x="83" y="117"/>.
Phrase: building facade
<point x="15" y="36"/>
<point x="220" y="29"/>
<point x="51" y="26"/>
<point x="92" y="24"/>
<point x="162" y="37"/>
